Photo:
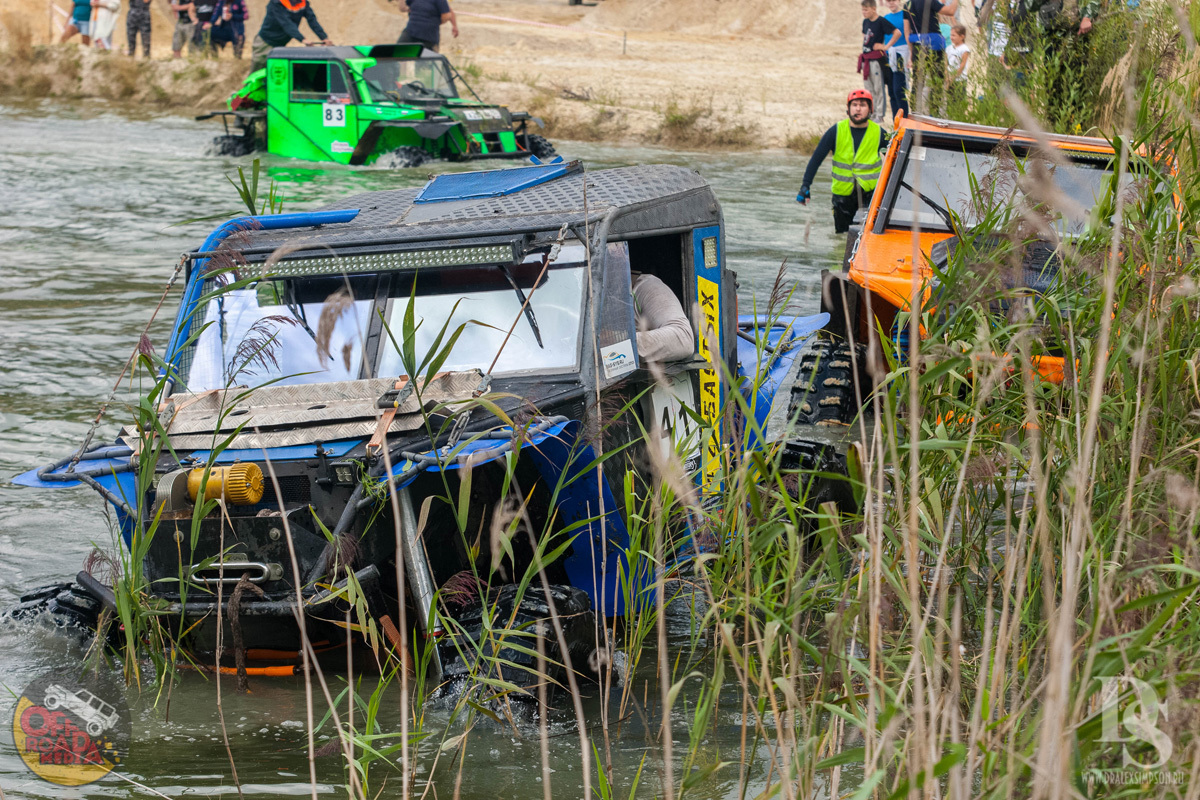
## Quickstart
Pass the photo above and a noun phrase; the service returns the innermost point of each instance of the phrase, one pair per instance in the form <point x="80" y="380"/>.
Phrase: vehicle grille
<point x="292" y="488"/>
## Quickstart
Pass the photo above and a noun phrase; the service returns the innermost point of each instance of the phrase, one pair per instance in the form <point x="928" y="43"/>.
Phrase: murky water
<point x="90" y="227"/>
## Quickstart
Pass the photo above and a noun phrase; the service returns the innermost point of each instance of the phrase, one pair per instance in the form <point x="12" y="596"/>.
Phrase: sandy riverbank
<point x="688" y="73"/>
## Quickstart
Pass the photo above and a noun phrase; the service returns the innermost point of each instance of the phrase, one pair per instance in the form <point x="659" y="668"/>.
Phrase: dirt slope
<point x="687" y="73"/>
<point x="806" y="20"/>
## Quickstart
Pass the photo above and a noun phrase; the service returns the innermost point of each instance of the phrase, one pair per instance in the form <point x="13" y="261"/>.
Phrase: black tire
<point x="540" y="146"/>
<point x="404" y="158"/>
<point x="232" y="146"/>
<point x="66" y="604"/>
<point x="824" y="393"/>
<point x="532" y="615"/>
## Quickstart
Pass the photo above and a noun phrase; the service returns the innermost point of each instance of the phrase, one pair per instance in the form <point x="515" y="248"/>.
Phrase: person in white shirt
<point x="957" y="55"/>
<point x="106" y="22"/>
<point x="663" y="330"/>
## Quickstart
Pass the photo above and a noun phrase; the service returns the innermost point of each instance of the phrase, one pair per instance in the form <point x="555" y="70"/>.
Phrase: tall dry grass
<point x="1011" y="615"/>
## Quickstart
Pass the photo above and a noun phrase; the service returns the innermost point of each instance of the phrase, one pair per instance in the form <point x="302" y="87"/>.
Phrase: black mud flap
<point x="842" y="299"/>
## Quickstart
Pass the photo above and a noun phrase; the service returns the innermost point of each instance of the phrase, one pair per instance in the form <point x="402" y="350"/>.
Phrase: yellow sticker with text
<point x="709" y="297"/>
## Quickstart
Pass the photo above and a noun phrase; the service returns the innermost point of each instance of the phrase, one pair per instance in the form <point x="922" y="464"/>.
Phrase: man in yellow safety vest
<point x="856" y="143"/>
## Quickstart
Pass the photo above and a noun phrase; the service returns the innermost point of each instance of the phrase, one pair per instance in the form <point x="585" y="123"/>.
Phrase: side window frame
<point x="332" y="68"/>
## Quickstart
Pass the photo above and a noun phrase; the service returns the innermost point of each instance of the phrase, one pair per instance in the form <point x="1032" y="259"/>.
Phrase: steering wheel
<point x="415" y="86"/>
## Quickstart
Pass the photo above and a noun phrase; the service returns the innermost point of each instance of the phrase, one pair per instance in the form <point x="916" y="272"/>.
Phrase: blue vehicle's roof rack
<point x="502" y="205"/>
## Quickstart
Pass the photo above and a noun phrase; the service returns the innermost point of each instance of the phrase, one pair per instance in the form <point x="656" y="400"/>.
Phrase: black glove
<point x="803" y="195"/>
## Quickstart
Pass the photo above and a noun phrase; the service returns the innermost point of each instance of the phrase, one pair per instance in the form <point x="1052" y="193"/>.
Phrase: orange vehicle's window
<point x="936" y="182"/>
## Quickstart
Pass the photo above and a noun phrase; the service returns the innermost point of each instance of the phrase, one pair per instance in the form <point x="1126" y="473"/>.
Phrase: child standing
<point x="956" y="68"/>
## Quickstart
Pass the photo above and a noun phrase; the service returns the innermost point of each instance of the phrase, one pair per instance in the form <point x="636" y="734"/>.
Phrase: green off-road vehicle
<point x="394" y="104"/>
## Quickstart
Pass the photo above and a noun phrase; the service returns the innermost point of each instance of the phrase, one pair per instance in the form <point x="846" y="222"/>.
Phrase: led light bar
<point x="405" y="260"/>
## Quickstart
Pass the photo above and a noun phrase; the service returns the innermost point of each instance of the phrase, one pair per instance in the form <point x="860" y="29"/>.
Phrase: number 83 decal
<point x="333" y="115"/>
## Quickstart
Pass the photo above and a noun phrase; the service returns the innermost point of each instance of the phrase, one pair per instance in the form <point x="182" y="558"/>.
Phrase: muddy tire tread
<point x="541" y="147"/>
<point x="824" y="391"/>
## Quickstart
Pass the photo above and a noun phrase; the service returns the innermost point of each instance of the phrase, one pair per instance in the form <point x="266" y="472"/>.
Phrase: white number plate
<point x="333" y="115"/>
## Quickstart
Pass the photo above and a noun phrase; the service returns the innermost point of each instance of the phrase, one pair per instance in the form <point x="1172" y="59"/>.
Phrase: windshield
<point x="410" y="78"/>
<point x="945" y="186"/>
<point x="269" y="333"/>
<point x="329" y="328"/>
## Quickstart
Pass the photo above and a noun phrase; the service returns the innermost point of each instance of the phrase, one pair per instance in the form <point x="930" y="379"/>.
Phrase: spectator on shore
<point x="1058" y="30"/>
<point x="138" y="21"/>
<point x="928" y="49"/>
<point x="856" y="143"/>
<point x="229" y="25"/>
<point x="202" y="35"/>
<point x="878" y="35"/>
<point x="993" y="25"/>
<point x="106" y="22"/>
<point x="957" y="55"/>
<point x="898" y="60"/>
<point x="280" y="25"/>
<point x="80" y="22"/>
<point x="425" y="20"/>
<point x="185" y="26"/>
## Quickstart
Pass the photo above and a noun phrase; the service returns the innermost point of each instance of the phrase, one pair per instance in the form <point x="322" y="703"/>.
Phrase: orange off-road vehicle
<point x="928" y="195"/>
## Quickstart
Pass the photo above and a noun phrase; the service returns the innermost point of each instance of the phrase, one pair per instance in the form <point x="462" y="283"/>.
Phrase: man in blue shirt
<point x="425" y="18"/>
<point x="898" y="60"/>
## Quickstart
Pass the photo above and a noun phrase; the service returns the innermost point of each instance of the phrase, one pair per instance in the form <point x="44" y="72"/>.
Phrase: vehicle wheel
<point x="540" y="146"/>
<point x="824" y="392"/>
<point x="404" y="158"/>
<point x="66" y="603"/>
<point x="94" y="729"/>
<point x="532" y="616"/>
<point x="232" y="146"/>
<point x="51" y="702"/>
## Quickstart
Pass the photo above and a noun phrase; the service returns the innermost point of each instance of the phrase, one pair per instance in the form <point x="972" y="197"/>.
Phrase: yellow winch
<point x="239" y="484"/>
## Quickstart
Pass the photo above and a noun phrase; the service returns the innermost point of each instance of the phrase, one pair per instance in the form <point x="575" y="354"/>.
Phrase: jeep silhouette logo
<point x="70" y="733"/>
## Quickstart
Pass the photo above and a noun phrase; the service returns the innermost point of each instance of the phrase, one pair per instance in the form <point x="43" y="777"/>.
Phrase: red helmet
<point x="861" y="94"/>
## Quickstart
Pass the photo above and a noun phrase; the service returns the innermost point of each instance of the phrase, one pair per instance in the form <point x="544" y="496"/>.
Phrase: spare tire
<point x="825" y="393"/>
<point x="477" y="648"/>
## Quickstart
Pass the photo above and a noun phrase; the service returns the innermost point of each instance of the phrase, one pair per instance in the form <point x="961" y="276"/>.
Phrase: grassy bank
<point x="70" y="72"/>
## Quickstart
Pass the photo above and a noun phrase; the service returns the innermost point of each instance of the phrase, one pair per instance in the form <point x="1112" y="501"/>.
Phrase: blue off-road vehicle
<point x="429" y="405"/>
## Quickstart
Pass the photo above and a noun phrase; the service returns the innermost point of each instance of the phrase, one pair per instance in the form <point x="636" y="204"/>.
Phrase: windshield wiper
<point x="537" y="334"/>
<point x="939" y="210"/>
<point x="297" y="310"/>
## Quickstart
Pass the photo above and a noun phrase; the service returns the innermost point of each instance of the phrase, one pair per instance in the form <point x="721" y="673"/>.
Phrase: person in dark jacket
<point x="137" y="21"/>
<point x="856" y="143"/>
<point x="229" y="25"/>
<point x="425" y="20"/>
<point x="281" y="24"/>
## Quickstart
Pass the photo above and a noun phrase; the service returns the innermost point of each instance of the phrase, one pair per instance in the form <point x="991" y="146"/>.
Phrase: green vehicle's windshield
<point x="410" y="79"/>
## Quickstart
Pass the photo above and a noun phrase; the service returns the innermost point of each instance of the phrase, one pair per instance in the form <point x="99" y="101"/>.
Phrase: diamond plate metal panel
<point x="303" y="413"/>
<point x="389" y="217"/>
